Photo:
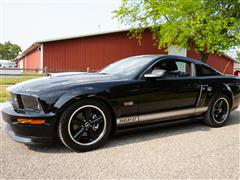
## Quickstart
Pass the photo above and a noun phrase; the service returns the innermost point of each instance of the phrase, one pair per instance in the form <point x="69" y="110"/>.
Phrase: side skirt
<point x="159" y="117"/>
<point x="142" y="127"/>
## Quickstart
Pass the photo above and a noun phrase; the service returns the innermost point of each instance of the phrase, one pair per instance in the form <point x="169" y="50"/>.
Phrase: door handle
<point x="204" y="87"/>
<point x="196" y="85"/>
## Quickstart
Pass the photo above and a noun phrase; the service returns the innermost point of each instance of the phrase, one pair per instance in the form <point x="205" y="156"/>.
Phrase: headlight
<point x="31" y="103"/>
<point x="15" y="101"/>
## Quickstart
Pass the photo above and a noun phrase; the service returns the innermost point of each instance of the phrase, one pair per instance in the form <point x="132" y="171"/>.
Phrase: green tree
<point x="238" y="54"/>
<point x="9" y="51"/>
<point x="206" y="26"/>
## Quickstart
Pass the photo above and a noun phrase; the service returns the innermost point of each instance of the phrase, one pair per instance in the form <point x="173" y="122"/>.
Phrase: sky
<point x="26" y="21"/>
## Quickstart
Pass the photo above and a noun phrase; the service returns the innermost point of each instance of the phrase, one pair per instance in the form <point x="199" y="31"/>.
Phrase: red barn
<point x="94" y="51"/>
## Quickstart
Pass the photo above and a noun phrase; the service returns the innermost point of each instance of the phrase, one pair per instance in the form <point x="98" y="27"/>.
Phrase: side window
<point x="174" y="68"/>
<point x="184" y="67"/>
<point x="203" y="70"/>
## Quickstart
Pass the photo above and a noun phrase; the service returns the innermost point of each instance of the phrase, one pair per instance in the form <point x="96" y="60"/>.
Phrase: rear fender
<point x="227" y="90"/>
<point x="208" y="94"/>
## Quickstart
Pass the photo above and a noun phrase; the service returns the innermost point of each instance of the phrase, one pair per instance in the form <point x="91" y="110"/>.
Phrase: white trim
<point x="41" y="56"/>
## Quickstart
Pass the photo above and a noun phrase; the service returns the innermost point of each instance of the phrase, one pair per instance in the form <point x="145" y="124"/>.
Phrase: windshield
<point x="128" y="67"/>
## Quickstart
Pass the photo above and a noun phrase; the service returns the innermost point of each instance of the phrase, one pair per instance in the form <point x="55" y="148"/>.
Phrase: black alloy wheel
<point x="85" y="125"/>
<point x="218" y="111"/>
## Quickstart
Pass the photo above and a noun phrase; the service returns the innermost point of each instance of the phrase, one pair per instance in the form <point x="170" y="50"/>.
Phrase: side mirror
<point x="156" y="74"/>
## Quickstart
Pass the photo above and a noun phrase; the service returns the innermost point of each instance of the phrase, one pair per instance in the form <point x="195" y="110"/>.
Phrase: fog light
<point x="31" y="121"/>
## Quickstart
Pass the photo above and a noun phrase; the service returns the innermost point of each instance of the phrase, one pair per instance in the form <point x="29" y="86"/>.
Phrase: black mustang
<point x="83" y="109"/>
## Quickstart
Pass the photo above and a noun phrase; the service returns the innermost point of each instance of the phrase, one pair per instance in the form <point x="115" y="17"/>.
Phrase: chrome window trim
<point x="193" y="68"/>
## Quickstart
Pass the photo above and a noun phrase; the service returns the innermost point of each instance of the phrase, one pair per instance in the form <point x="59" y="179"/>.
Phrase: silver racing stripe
<point x="166" y="114"/>
<point x="162" y="115"/>
<point x="200" y="110"/>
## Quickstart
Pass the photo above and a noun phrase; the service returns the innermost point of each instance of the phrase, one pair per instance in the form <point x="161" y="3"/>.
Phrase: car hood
<point x="55" y="85"/>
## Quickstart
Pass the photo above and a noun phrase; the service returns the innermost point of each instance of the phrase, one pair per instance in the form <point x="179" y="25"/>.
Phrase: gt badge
<point x="128" y="103"/>
<point x="127" y="120"/>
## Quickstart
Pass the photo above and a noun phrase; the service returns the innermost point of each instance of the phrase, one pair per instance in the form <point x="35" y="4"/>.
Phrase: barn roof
<point x="39" y="42"/>
<point x="82" y="35"/>
<point x="28" y="50"/>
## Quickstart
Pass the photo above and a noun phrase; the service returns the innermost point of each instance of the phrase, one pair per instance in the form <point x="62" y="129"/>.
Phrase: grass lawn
<point x="5" y="82"/>
<point x="4" y="95"/>
<point x="12" y="81"/>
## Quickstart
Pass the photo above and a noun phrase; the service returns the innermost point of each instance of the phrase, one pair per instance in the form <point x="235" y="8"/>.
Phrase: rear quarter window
<point x="203" y="70"/>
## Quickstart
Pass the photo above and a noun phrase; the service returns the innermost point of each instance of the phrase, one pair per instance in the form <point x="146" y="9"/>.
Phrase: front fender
<point x="80" y="93"/>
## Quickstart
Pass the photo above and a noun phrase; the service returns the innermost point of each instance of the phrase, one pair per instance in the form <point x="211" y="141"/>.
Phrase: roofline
<point x="28" y="50"/>
<point x="230" y="58"/>
<point x="81" y="36"/>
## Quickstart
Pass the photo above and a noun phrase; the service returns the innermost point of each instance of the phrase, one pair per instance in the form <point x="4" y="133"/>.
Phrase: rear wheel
<point x="218" y="111"/>
<point x="85" y="125"/>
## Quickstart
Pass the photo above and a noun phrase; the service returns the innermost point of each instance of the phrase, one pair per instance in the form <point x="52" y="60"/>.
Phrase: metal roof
<point x="39" y="42"/>
<point x="28" y="50"/>
<point x="231" y="58"/>
<point x="80" y="36"/>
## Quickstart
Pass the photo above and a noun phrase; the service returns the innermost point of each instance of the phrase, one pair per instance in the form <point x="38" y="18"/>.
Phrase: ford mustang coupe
<point x="83" y="109"/>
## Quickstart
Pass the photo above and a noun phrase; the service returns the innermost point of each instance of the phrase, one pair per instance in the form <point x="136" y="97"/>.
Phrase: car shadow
<point x="141" y="135"/>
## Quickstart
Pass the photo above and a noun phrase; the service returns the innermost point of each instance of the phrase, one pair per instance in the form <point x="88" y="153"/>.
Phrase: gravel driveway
<point x="190" y="150"/>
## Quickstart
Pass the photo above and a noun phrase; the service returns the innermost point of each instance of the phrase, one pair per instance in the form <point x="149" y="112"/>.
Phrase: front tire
<point x="218" y="111"/>
<point x="85" y="125"/>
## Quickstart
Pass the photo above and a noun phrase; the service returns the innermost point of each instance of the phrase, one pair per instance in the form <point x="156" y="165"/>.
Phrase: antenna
<point x="99" y="26"/>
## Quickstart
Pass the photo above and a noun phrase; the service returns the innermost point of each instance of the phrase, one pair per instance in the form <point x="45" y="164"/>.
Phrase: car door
<point x="173" y="96"/>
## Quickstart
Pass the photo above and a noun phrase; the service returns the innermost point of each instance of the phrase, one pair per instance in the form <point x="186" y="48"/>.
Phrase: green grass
<point x="5" y="82"/>
<point x="4" y="94"/>
<point x="12" y="81"/>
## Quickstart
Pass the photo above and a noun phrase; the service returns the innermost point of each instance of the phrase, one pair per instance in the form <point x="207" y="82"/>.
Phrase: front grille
<point x="30" y="103"/>
<point x="17" y="102"/>
<point x="23" y="102"/>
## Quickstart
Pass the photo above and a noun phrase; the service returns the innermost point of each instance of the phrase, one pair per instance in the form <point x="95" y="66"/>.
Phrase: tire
<point x="85" y="125"/>
<point x="217" y="116"/>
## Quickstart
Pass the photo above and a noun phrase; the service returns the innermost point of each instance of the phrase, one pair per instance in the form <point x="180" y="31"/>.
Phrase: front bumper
<point x="27" y="133"/>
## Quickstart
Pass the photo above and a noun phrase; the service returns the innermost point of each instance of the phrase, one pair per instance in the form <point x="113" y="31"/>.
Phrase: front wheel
<point x="85" y="125"/>
<point x="218" y="111"/>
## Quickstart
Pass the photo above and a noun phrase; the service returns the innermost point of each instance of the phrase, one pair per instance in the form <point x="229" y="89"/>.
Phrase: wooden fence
<point x="36" y="71"/>
<point x="23" y="72"/>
